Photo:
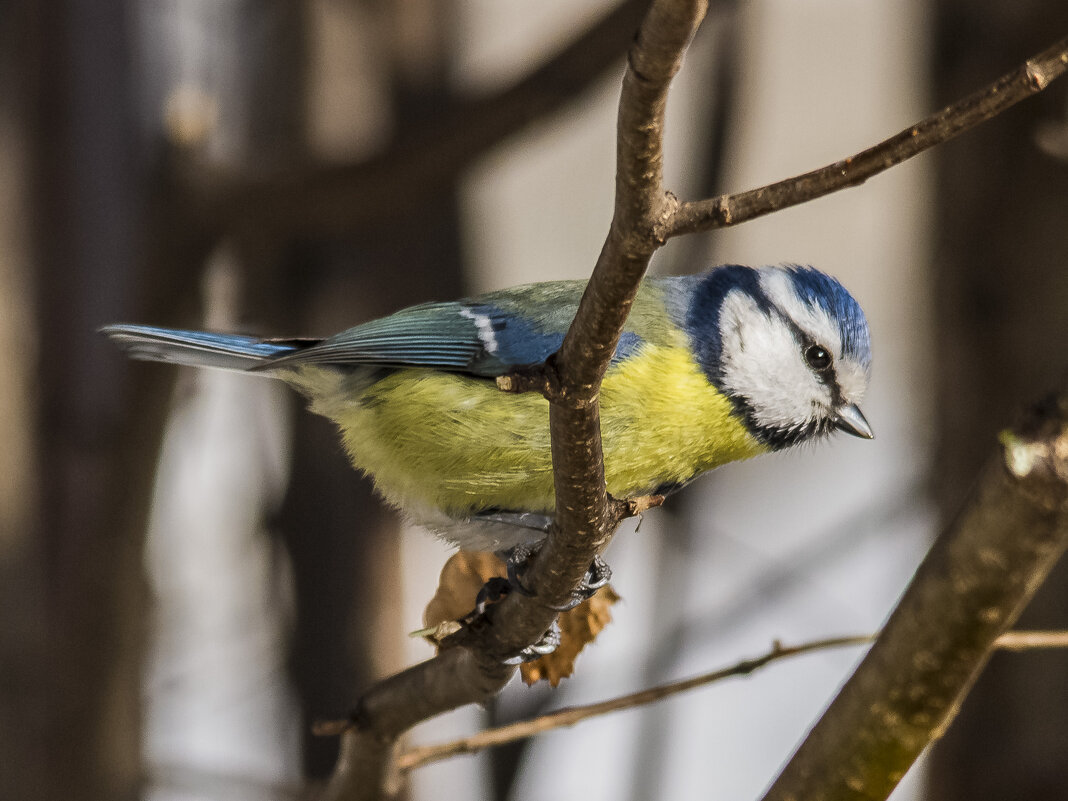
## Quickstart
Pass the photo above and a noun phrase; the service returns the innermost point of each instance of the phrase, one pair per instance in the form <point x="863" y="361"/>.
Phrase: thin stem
<point x="521" y="730"/>
<point x="1029" y="78"/>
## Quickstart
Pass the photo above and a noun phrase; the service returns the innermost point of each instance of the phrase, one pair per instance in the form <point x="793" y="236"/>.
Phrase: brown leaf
<point x="463" y="576"/>
<point x="461" y="579"/>
<point x="578" y="627"/>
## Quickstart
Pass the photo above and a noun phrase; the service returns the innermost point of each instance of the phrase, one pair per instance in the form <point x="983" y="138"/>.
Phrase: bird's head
<point x="788" y="345"/>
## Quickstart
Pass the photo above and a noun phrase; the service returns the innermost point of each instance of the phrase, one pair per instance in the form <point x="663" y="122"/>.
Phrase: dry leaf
<point x="464" y="575"/>
<point x="461" y="579"/>
<point x="578" y="627"/>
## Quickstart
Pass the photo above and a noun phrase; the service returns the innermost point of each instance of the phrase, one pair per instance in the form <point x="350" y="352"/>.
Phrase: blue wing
<point x="468" y="337"/>
<point x="485" y="336"/>
<point x="480" y="338"/>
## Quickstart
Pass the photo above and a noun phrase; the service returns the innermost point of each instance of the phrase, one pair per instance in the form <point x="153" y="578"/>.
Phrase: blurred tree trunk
<point x="1002" y="292"/>
<point x="346" y="562"/>
<point x="92" y="461"/>
<point x="24" y="692"/>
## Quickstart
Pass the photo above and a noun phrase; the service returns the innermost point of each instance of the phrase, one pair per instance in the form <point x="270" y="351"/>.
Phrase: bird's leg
<point x="518" y="561"/>
<point x="494" y="590"/>
<point x="498" y="587"/>
<point x="597" y="575"/>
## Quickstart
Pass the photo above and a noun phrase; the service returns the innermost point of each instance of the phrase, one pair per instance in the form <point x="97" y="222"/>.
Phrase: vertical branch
<point x="585" y="522"/>
<point x="641" y="207"/>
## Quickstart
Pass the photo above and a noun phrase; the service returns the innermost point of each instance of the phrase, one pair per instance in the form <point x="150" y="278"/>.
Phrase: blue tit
<point x="714" y="367"/>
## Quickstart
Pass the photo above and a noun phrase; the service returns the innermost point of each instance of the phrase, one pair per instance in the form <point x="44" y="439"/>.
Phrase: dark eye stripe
<point x="828" y="376"/>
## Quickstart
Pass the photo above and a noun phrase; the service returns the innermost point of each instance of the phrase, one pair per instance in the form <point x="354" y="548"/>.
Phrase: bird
<point x="712" y="367"/>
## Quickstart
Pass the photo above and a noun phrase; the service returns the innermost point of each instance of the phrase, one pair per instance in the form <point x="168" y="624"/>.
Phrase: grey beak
<point x="850" y="420"/>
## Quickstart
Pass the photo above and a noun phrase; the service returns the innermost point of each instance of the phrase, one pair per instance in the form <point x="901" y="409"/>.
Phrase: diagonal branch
<point x="421" y="162"/>
<point x="969" y="589"/>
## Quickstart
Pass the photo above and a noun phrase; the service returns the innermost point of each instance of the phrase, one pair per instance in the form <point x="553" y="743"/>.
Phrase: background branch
<point x="969" y="589"/>
<point x="569" y="716"/>
<point x="420" y="161"/>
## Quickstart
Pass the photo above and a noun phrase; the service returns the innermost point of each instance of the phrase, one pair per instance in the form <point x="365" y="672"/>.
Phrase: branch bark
<point x="585" y="520"/>
<point x="969" y="589"/>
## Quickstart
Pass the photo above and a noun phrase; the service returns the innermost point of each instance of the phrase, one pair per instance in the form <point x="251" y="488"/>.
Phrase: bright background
<point x="211" y="163"/>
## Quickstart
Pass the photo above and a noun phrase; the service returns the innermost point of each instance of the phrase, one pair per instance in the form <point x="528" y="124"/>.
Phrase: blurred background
<point x="190" y="573"/>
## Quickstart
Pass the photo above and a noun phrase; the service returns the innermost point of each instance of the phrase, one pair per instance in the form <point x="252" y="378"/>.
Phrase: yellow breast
<point x="456" y="444"/>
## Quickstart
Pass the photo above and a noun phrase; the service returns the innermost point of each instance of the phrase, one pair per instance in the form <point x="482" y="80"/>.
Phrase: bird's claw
<point x="518" y="560"/>
<point x="597" y="575"/>
<point x="549" y="642"/>
<point x="497" y="588"/>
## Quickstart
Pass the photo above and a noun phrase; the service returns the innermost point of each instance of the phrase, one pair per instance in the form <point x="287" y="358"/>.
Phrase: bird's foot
<point x="518" y="562"/>
<point x="499" y="587"/>
<point x="597" y="575"/>
<point x="549" y="642"/>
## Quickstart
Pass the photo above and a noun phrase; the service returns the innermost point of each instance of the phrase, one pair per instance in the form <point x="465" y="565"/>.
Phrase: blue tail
<point x="194" y="348"/>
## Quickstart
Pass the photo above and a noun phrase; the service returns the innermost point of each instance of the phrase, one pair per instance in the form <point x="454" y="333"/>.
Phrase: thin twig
<point x="1029" y="78"/>
<point x="569" y="716"/>
<point x="1031" y="640"/>
<point x="416" y="757"/>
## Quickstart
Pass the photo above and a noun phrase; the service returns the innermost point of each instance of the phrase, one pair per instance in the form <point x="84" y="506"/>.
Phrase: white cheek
<point x="761" y="362"/>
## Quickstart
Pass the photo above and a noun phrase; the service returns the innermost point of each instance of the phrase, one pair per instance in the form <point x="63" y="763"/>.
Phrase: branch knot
<point x="542" y="378"/>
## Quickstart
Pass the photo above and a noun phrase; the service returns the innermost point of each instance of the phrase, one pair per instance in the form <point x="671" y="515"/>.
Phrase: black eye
<point x="818" y="357"/>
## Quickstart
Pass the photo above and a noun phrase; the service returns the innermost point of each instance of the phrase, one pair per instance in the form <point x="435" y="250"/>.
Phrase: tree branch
<point x="521" y="730"/>
<point x="1029" y="78"/>
<point x="970" y="588"/>
<point x="585" y="521"/>
<point x="470" y="670"/>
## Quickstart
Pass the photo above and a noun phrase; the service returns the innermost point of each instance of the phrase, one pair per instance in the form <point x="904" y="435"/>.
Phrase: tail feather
<point x="194" y="348"/>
